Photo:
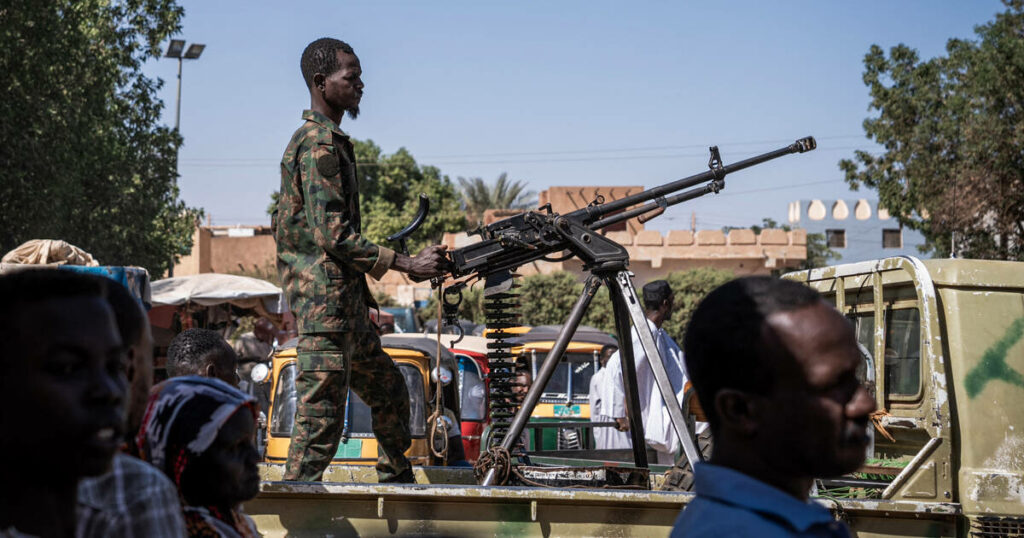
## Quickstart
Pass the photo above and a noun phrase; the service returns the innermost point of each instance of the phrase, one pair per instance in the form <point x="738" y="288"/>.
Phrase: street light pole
<point x="177" y="106"/>
<point x="174" y="50"/>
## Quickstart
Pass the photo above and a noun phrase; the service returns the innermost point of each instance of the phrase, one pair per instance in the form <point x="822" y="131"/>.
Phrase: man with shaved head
<point x="774" y="367"/>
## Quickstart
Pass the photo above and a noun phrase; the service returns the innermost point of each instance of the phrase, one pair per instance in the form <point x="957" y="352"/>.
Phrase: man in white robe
<point x="606" y="403"/>
<point x="658" y="431"/>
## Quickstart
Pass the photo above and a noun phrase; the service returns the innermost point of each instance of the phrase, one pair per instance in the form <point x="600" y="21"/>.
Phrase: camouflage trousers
<point x="328" y="365"/>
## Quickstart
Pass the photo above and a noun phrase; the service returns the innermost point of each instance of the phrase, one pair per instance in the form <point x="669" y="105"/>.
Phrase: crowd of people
<point x="100" y="452"/>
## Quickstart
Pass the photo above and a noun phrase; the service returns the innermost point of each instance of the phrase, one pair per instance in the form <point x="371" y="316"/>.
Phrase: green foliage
<point x="689" y="288"/>
<point x="951" y="128"/>
<point x="390" y="186"/>
<point x="478" y="196"/>
<point x="547" y="299"/>
<point x="818" y="252"/>
<point x="82" y="156"/>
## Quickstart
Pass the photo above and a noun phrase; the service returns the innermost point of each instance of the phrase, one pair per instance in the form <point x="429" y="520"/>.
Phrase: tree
<point x="690" y="287"/>
<point x="951" y="128"/>
<point x="390" y="185"/>
<point x="478" y="196"/>
<point x="389" y="189"/>
<point x="82" y="155"/>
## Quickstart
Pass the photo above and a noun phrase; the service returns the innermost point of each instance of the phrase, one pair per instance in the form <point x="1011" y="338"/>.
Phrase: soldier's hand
<point x="430" y="262"/>
<point x="622" y="424"/>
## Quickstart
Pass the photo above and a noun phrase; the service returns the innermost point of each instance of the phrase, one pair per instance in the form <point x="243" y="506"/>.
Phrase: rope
<point x="496" y="458"/>
<point x="436" y="418"/>
<point x="876" y="419"/>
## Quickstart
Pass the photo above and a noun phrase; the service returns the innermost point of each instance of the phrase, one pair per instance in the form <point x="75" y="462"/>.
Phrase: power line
<point x="552" y="152"/>
<point x="268" y="164"/>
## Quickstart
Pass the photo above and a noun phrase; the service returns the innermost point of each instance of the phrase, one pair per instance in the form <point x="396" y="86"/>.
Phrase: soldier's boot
<point x="405" y="477"/>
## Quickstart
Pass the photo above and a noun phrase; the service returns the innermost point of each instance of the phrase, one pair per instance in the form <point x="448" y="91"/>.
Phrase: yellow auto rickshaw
<point x="566" y="396"/>
<point x="416" y="358"/>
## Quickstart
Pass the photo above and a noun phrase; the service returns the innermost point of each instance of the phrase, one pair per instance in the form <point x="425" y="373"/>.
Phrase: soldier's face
<point x="343" y="89"/>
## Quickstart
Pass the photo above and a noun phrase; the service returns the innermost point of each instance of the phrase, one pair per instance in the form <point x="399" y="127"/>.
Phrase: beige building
<point x="248" y="250"/>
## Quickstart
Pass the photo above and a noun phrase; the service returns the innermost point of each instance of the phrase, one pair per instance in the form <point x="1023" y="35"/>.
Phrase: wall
<point x="229" y="249"/>
<point x="861" y="220"/>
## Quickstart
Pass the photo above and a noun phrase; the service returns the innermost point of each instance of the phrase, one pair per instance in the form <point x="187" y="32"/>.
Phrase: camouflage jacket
<point x="321" y="255"/>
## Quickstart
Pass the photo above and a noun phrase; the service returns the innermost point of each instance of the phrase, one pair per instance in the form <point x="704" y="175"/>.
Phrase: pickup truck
<point x="943" y="349"/>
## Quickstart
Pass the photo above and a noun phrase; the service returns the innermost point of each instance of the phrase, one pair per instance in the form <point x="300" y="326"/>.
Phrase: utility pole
<point x="174" y="50"/>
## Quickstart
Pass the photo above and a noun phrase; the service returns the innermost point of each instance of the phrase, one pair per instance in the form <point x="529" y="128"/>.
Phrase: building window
<point x="835" y="238"/>
<point x="892" y="239"/>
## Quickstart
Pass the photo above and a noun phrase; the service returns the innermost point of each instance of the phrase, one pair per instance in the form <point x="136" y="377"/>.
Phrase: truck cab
<point x="943" y="345"/>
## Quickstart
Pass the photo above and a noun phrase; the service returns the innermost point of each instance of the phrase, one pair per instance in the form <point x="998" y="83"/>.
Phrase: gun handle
<point x="648" y="216"/>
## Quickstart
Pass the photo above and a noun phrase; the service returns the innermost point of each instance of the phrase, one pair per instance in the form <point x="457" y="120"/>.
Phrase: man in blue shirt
<point x="774" y="367"/>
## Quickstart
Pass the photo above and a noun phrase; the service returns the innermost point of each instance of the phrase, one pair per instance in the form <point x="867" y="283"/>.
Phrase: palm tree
<point x="478" y="196"/>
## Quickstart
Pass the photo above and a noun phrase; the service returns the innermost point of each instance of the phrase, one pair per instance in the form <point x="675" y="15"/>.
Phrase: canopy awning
<point x="210" y="289"/>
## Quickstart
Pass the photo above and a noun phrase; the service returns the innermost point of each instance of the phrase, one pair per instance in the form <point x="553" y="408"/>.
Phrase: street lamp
<point x="174" y="50"/>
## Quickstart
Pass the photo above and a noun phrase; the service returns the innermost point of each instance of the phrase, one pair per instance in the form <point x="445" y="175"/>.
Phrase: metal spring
<point x="501" y="312"/>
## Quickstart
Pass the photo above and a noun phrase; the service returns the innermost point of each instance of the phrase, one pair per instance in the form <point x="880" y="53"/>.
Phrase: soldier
<point x="323" y="260"/>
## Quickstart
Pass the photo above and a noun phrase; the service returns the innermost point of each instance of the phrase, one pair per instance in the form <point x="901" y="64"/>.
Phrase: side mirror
<point x="259" y="373"/>
<point x="446" y="375"/>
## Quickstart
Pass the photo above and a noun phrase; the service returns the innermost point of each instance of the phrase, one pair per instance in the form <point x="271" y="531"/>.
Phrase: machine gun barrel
<point x="689" y="194"/>
<point x="594" y="214"/>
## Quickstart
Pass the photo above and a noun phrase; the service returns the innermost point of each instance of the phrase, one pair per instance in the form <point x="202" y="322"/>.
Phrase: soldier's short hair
<point x="655" y="293"/>
<point x="192" y="350"/>
<point x="321" y="56"/>
<point x="724" y="345"/>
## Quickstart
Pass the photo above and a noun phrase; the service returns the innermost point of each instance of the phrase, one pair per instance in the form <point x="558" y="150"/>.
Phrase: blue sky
<point x="554" y="93"/>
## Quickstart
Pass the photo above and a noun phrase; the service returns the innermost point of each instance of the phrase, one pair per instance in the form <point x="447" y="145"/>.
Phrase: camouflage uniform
<point x="323" y="260"/>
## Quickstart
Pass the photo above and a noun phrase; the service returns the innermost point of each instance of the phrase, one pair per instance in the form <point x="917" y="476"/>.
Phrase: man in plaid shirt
<point x="134" y="499"/>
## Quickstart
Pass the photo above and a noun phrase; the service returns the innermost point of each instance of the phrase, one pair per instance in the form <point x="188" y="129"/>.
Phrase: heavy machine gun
<point x="535" y="235"/>
<point x="544" y="235"/>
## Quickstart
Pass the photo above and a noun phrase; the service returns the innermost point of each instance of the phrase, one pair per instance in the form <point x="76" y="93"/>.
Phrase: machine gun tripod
<point x="537" y="235"/>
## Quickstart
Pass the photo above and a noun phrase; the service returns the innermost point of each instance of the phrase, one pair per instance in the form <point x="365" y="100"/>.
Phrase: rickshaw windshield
<point x="575" y="369"/>
<point x="474" y="393"/>
<point x="282" y="417"/>
<point x="360" y="422"/>
<point x="359" y="417"/>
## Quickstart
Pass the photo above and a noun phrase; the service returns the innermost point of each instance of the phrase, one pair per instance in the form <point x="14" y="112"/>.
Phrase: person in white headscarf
<point x="659" y="304"/>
